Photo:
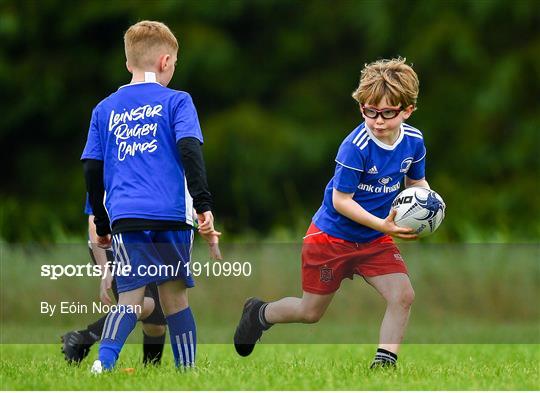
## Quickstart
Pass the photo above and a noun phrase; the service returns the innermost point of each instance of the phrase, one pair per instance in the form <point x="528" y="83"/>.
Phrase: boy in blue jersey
<point x="145" y="173"/>
<point x="352" y="231"/>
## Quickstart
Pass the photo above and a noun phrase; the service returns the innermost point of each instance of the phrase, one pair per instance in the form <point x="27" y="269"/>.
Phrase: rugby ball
<point x="420" y="209"/>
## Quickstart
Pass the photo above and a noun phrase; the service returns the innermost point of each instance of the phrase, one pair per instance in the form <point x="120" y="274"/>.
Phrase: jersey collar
<point x="384" y="145"/>
<point x="149" y="77"/>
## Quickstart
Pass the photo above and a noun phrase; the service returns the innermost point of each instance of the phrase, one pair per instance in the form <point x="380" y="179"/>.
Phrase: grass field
<point x="475" y="325"/>
<point x="289" y="367"/>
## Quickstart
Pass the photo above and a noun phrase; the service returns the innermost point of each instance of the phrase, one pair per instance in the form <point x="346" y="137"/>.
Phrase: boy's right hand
<point x="104" y="241"/>
<point x="390" y="228"/>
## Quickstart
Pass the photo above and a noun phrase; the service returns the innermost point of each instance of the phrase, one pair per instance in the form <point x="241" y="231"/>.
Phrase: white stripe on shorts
<point x="117" y="255"/>
<point x="124" y="249"/>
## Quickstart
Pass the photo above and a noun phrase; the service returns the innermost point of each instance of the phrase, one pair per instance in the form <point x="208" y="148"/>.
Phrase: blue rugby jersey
<point x="135" y="131"/>
<point x="373" y="171"/>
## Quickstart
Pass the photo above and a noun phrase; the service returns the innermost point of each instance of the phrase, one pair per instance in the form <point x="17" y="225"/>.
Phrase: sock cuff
<point x="112" y="323"/>
<point x="180" y="315"/>
<point x="386" y="354"/>
<point x="262" y="319"/>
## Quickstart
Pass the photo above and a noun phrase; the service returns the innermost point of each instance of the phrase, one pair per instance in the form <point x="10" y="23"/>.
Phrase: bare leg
<point x="173" y="297"/>
<point x="308" y="309"/>
<point x="148" y="307"/>
<point x="134" y="298"/>
<point x="396" y="289"/>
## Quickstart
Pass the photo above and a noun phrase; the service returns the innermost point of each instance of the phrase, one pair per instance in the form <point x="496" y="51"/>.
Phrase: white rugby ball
<point x="420" y="209"/>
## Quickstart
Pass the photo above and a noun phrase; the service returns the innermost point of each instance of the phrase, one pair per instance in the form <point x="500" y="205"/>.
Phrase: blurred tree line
<point x="272" y="81"/>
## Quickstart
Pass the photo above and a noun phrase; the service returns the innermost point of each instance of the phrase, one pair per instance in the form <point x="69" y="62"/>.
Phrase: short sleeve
<point x="349" y="168"/>
<point x="346" y="180"/>
<point x="93" y="149"/>
<point x="185" y="119"/>
<point x="417" y="170"/>
<point x="349" y="156"/>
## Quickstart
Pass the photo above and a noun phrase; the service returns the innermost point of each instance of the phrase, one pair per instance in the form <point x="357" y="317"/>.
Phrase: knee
<point x="311" y="315"/>
<point x="153" y="330"/>
<point x="137" y="304"/>
<point x="404" y="298"/>
<point x="147" y="307"/>
<point x="173" y="305"/>
<point x="173" y="297"/>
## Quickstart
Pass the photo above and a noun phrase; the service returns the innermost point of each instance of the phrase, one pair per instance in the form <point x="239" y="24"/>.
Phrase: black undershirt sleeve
<point x="193" y="162"/>
<point x="93" y="174"/>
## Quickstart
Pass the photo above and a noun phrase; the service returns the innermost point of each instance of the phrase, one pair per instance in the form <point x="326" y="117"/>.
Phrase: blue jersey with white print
<point x="134" y="132"/>
<point x="372" y="171"/>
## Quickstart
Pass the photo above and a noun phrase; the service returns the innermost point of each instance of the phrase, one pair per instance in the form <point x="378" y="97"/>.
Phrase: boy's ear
<point x="128" y="67"/>
<point x="407" y="112"/>
<point x="163" y="62"/>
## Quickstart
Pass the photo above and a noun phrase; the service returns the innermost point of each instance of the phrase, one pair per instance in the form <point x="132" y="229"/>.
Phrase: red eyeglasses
<point x="386" y="114"/>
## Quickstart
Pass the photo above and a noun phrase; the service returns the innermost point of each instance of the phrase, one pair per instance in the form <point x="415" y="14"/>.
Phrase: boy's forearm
<point x="416" y="183"/>
<point x="353" y="211"/>
<point x="100" y="255"/>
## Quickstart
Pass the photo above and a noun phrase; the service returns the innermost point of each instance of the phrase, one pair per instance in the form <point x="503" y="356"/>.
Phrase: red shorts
<point x="328" y="260"/>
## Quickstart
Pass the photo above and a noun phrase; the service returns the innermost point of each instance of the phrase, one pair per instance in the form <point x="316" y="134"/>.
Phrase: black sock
<point x="384" y="358"/>
<point x="97" y="327"/>
<point x="93" y="332"/>
<point x="153" y="349"/>
<point x="262" y="319"/>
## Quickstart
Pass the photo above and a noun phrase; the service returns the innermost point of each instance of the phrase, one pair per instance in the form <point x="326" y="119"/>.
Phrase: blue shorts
<point x="143" y="257"/>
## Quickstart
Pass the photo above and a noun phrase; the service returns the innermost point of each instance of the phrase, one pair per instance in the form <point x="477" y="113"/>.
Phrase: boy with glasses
<point x="352" y="231"/>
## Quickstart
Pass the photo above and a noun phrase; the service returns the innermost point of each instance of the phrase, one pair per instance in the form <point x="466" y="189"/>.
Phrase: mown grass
<point x="474" y="325"/>
<point x="284" y="367"/>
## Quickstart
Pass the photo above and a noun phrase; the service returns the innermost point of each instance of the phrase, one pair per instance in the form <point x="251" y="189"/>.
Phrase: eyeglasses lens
<point x="387" y="114"/>
<point x="390" y="114"/>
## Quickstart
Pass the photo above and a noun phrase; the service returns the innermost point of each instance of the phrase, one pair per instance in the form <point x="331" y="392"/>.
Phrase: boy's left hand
<point x="389" y="227"/>
<point x="213" y="244"/>
<point x="206" y="222"/>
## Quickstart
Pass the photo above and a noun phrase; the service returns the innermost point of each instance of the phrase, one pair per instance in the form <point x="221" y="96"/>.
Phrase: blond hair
<point x="392" y="79"/>
<point x="145" y="41"/>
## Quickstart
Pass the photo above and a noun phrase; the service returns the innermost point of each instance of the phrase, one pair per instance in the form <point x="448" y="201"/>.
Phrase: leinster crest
<point x="326" y="274"/>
